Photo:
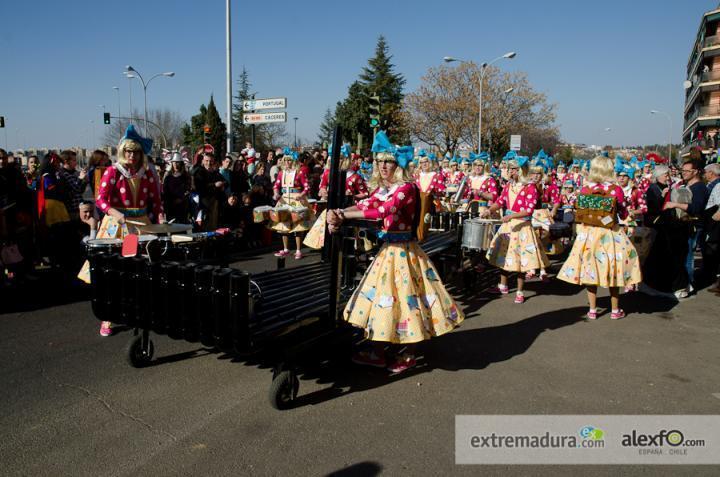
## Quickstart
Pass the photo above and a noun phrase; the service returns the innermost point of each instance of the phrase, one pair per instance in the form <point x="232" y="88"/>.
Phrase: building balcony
<point x="711" y="41"/>
<point x="704" y="116"/>
<point x="710" y="76"/>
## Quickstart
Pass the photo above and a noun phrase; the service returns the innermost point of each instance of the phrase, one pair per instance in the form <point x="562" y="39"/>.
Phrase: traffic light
<point x="206" y="133"/>
<point x="2" y="121"/>
<point x="106" y="118"/>
<point x="374" y="107"/>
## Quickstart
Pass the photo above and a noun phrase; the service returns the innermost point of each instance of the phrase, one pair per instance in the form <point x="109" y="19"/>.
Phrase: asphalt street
<point x="70" y="405"/>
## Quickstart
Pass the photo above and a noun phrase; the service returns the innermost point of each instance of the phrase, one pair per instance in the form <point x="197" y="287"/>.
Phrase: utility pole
<point x="228" y="79"/>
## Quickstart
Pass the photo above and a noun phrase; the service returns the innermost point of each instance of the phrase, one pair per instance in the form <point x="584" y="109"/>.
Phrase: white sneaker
<point x="680" y="294"/>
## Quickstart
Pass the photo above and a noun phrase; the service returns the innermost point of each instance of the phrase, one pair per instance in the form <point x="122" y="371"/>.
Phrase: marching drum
<point x="280" y="214"/>
<point x="568" y="216"/>
<point x="98" y="245"/>
<point x="298" y="214"/>
<point x="261" y="214"/>
<point x="478" y="233"/>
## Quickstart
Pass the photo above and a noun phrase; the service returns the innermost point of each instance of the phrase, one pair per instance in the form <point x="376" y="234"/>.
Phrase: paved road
<point x="71" y="406"/>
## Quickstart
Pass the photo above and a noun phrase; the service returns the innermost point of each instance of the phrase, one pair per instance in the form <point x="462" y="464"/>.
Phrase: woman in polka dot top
<point x="401" y="299"/>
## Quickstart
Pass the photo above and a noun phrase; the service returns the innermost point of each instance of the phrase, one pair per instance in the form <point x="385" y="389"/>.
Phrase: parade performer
<point x="466" y="165"/>
<point x="634" y="198"/>
<point x="432" y="187"/>
<point x="454" y="177"/>
<point x="482" y="188"/>
<point x="575" y="173"/>
<point x="290" y="189"/>
<point x="561" y="172"/>
<point x="129" y="194"/>
<point x="516" y="247"/>
<point x="400" y="299"/>
<point x="546" y="209"/>
<point x="568" y="198"/>
<point x="646" y="177"/>
<point x="355" y="188"/>
<point x="602" y="254"/>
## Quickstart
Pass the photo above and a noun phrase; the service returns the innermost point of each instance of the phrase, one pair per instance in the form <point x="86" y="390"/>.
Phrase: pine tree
<point x="377" y="79"/>
<point x="193" y="133"/>
<point x="218" y="130"/>
<point x="242" y="133"/>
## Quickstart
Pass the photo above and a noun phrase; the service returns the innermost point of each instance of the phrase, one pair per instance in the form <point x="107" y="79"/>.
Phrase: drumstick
<point x="135" y="222"/>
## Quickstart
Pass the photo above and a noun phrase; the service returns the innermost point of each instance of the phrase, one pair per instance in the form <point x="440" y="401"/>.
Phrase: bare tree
<point x="443" y="111"/>
<point x="164" y="127"/>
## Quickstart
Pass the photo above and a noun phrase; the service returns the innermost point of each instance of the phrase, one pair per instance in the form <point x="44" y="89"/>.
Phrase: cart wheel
<point x="136" y="356"/>
<point x="283" y="390"/>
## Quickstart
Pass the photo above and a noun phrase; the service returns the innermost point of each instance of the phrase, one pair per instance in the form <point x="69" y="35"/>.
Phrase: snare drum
<point x="261" y="214"/>
<point x="280" y="214"/>
<point x="298" y="214"/>
<point x="478" y="233"/>
<point x="98" y="245"/>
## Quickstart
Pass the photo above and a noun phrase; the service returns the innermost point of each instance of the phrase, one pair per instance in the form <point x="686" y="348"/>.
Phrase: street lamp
<point x="117" y="90"/>
<point x="145" y="84"/>
<point x="130" y="78"/>
<point x="483" y="68"/>
<point x="655" y="111"/>
<point x="295" y="119"/>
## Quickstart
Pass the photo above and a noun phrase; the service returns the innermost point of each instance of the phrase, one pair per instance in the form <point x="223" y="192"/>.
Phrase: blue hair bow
<point x="423" y="153"/>
<point x="288" y="152"/>
<point x="132" y="134"/>
<point x="509" y="156"/>
<point x="345" y="150"/>
<point x="522" y="160"/>
<point x="432" y="157"/>
<point x="404" y="155"/>
<point x="541" y="154"/>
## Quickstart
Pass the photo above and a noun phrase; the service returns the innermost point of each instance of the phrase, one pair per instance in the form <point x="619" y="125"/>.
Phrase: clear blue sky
<point x="605" y="64"/>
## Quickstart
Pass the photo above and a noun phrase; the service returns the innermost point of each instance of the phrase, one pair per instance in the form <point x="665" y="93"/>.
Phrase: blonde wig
<point x="130" y="145"/>
<point x="400" y="176"/>
<point x="288" y="164"/>
<point x="602" y="169"/>
<point x="523" y="172"/>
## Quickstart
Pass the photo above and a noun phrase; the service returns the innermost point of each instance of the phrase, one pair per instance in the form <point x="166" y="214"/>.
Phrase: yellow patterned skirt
<point x="315" y="238"/>
<point x="290" y="227"/>
<point x="517" y="248"/>
<point x="401" y="298"/>
<point x="110" y="228"/>
<point x="602" y="257"/>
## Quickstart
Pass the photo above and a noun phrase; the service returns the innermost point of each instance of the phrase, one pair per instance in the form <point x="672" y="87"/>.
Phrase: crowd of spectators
<point x="48" y="204"/>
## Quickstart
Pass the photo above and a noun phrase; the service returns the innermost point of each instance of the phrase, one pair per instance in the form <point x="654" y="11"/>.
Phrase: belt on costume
<point x="292" y="190"/>
<point x="481" y="203"/>
<point x="394" y="237"/>
<point x="510" y="212"/>
<point x="133" y="212"/>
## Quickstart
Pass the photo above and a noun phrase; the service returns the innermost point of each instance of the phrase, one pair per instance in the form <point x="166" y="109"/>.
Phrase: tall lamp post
<point x="483" y="68"/>
<point x="130" y="77"/>
<point x="655" y="111"/>
<point x="145" y="84"/>
<point x="117" y="90"/>
<point x="296" y="144"/>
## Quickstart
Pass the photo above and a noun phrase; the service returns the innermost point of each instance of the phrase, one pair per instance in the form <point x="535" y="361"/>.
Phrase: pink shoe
<point x="498" y="290"/>
<point x="617" y="315"/>
<point x="368" y="358"/>
<point x="592" y="314"/>
<point x="402" y="364"/>
<point x="282" y="253"/>
<point x="519" y="299"/>
<point x="298" y="255"/>
<point x="105" y="328"/>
